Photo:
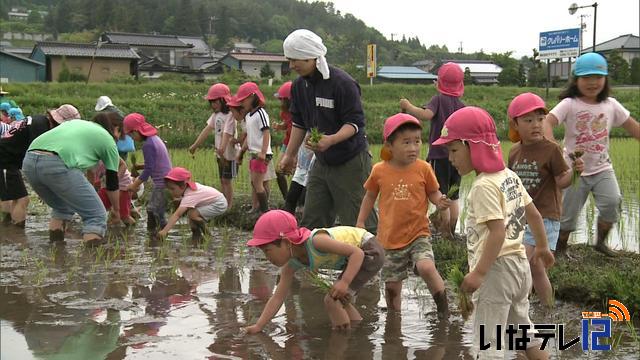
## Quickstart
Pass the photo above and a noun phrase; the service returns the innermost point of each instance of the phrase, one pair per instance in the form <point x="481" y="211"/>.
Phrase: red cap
<point x="245" y="90"/>
<point x="181" y="174"/>
<point x="476" y="127"/>
<point x="275" y="224"/>
<point x="392" y="124"/>
<point x="520" y="105"/>
<point x="450" y="80"/>
<point x="284" y="92"/>
<point x="218" y="91"/>
<point x="137" y="122"/>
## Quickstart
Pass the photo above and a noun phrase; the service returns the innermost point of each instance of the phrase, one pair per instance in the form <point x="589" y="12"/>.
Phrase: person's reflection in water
<point x="226" y="324"/>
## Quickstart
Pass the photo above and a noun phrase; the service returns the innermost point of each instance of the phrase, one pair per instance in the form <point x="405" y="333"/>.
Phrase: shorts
<point x="12" y="186"/>
<point x="371" y="264"/>
<point x="228" y="169"/>
<point x="125" y="202"/>
<point x="399" y="260"/>
<point x="214" y="209"/>
<point x="258" y="166"/>
<point x="503" y="298"/>
<point x="551" y="227"/>
<point x="447" y="176"/>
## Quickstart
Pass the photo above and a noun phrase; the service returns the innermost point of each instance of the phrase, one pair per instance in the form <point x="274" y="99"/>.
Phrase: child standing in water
<point x="588" y="114"/>
<point x="156" y="165"/>
<point x="353" y="250"/>
<point x="284" y="95"/>
<point x="498" y="208"/>
<point x="405" y="185"/>
<point x="450" y="86"/>
<point x="224" y="126"/>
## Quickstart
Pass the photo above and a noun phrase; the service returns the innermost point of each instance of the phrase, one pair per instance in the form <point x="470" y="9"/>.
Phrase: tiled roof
<point x="87" y="50"/>
<point x="144" y="40"/>
<point x="199" y="45"/>
<point x="21" y="58"/>
<point x="258" y="57"/>
<point x="627" y="42"/>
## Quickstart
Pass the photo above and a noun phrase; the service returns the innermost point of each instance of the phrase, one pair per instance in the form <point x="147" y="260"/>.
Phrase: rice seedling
<point x="575" y="176"/>
<point x="321" y="284"/>
<point x="315" y="136"/>
<point x="456" y="277"/>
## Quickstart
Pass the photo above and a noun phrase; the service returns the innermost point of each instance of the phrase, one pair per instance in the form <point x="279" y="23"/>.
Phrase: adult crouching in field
<point x="13" y="147"/>
<point x="327" y="98"/>
<point x="55" y="164"/>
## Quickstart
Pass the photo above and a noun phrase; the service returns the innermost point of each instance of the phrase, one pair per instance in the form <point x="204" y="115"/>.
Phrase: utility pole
<point x="583" y="26"/>
<point x="460" y="48"/>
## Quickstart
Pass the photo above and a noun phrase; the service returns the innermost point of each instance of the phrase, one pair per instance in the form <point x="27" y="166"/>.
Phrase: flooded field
<point x="135" y="299"/>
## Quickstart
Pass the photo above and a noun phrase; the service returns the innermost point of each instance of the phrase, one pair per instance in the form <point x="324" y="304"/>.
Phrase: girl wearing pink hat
<point x="201" y="203"/>
<point x="156" y="165"/>
<point x="353" y="250"/>
<point x="450" y="86"/>
<point x="224" y="126"/>
<point x="498" y="208"/>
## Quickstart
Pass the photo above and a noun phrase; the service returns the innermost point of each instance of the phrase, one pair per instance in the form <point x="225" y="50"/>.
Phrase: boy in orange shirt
<point x="405" y="184"/>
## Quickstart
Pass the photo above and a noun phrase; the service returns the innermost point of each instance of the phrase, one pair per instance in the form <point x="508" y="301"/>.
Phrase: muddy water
<point x="133" y="299"/>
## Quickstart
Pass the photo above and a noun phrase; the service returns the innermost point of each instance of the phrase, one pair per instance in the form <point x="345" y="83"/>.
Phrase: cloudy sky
<point x="491" y="25"/>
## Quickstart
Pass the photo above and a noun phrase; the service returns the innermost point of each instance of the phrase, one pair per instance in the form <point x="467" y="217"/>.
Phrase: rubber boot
<point x="56" y="235"/>
<point x="282" y="184"/>
<point x="21" y="224"/>
<point x="152" y="223"/>
<point x="295" y="191"/>
<point x="198" y="229"/>
<point x="442" y="304"/>
<point x="603" y="232"/>
<point x="264" y="202"/>
<point x="563" y="243"/>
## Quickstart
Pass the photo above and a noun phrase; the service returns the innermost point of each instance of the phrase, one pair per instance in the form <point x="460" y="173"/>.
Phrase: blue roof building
<point x="406" y="74"/>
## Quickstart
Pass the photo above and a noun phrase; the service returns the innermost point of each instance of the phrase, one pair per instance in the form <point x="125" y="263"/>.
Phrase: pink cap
<point x="275" y="224"/>
<point x="284" y="92"/>
<point x="218" y="91"/>
<point x="137" y="122"/>
<point x="392" y="124"/>
<point x="476" y="127"/>
<point x="64" y="113"/>
<point x="181" y="174"/>
<point x="247" y="89"/>
<point x="520" y="105"/>
<point x="450" y="80"/>
<point x="233" y="101"/>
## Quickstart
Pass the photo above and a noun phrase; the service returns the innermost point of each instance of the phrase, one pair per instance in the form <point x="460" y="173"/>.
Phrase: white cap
<point x="103" y="102"/>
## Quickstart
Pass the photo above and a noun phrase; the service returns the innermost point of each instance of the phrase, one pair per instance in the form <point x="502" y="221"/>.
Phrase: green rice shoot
<point x="456" y="276"/>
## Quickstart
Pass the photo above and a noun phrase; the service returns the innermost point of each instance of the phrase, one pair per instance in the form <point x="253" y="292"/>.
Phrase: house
<point x="168" y="48"/>
<point x="19" y="14"/>
<point x="252" y="63"/>
<point x="483" y="72"/>
<point x="627" y="45"/>
<point x="100" y="63"/>
<point x="405" y="74"/>
<point x="14" y="68"/>
<point x="242" y="47"/>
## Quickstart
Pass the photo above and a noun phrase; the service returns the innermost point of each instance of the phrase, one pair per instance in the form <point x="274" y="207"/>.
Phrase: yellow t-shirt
<point x="496" y="196"/>
<point x="321" y="260"/>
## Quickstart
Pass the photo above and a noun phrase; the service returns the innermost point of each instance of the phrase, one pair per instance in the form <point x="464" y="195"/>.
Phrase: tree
<point x="266" y="72"/>
<point x="468" y="80"/>
<point x="34" y="17"/>
<point x="618" y="68"/>
<point x="509" y="76"/>
<point x="185" y="23"/>
<point x="635" y="71"/>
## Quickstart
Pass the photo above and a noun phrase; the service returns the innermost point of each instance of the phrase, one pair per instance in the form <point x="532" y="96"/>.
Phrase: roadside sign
<point x="371" y="60"/>
<point x="559" y="44"/>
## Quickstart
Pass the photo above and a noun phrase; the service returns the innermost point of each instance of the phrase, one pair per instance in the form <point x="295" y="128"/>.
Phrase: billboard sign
<point x="559" y="44"/>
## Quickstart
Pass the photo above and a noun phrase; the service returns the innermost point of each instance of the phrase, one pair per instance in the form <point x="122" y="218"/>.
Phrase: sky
<point x="491" y="25"/>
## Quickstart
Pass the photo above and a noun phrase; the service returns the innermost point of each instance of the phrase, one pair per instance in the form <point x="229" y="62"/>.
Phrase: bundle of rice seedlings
<point x="322" y="285"/>
<point x="464" y="300"/>
<point x="316" y="135"/>
<point x="576" y="175"/>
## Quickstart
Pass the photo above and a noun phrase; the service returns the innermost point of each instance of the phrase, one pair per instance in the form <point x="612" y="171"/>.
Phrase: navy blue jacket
<point x="328" y="105"/>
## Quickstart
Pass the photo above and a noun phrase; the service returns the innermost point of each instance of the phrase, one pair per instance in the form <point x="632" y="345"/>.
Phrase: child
<point x="15" y="114"/>
<point x="156" y="165"/>
<point x="4" y="113"/>
<point x="225" y="127"/>
<point x="124" y="180"/>
<point x="450" y="86"/>
<point x="251" y="102"/>
<point x="201" y="203"/>
<point x="284" y="94"/>
<point x="498" y="209"/>
<point x="405" y="185"/>
<point x="354" y="251"/>
<point x="298" y="188"/>
<point x="589" y="114"/>
<point x="543" y="172"/>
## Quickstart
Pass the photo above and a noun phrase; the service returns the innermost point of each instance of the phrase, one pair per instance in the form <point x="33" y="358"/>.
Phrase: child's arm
<point x="368" y="201"/>
<point x="201" y="138"/>
<point x="420" y="113"/>
<point x="355" y="255"/>
<point x="122" y="167"/>
<point x="275" y="301"/>
<point x="550" y="121"/>
<point x="226" y="138"/>
<point x="632" y="127"/>
<point x="564" y="180"/>
<point x="473" y="280"/>
<point x="266" y="139"/>
<point x="536" y="226"/>
<point x="172" y="221"/>
<point x="442" y="203"/>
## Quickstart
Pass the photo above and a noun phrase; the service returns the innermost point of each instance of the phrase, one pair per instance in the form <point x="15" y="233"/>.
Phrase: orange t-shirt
<point x="403" y="201"/>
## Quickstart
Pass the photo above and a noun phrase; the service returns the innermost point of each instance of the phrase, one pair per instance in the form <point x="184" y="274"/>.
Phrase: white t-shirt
<point x="224" y="123"/>
<point x="256" y="123"/>
<point x="587" y="128"/>
<point x="201" y="196"/>
<point x="496" y="196"/>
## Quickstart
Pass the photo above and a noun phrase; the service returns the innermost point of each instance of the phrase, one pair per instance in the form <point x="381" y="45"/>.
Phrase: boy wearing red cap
<point x="450" y="86"/>
<point x="498" y="208"/>
<point x="201" y="203"/>
<point x="353" y="250"/>
<point x="541" y="167"/>
<point x="405" y="184"/>
<point x="156" y="165"/>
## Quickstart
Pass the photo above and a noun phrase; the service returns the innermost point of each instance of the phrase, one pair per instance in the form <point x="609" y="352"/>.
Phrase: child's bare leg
<point x="19" y="210"/>
<point x="337" y="314"/>
<point x="227" y="190"/>
<point x="352" y="312"/>
<point x="257" y="179"/>
<point x="428" y="272"/>
<point x="534" y="353"/>
<point x="454" y="212"/>
<point x="392" y="292"/>
<point x="541" y="282"/>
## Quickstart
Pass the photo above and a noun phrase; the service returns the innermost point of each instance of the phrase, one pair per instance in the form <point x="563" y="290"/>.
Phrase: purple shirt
<point x="442" y="107"/>
<point x="156" y="161"/>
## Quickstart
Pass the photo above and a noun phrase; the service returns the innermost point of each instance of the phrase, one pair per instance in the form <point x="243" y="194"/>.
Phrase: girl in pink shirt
<point x="201" y="203"/>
